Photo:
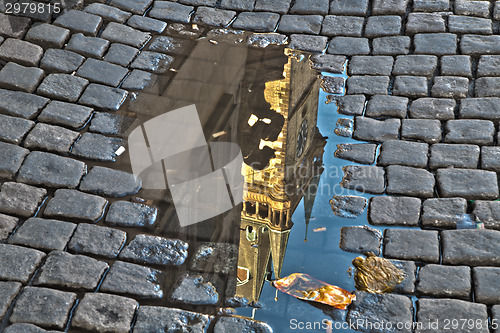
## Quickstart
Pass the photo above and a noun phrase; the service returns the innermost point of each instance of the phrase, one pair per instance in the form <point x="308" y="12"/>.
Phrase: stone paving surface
<point x="424" y="88"/>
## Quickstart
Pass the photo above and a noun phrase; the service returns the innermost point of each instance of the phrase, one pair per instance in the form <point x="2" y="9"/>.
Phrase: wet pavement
<point x="382" y="140"/>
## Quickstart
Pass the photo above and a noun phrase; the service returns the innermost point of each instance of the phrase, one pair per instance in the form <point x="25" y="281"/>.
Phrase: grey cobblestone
<point x="194" y="290"/>
<point x="20" y="104"/>
<point x="147" y="24"/>
<point x="352" y="105"/>
<point x="425" y="22"/>
<point x="154" y="318"/>
<point x="91" y="47"/>
<point x="154" y="250"/>
<point x="48" y="36"/>
<point x="488" y="87"/>
<point x="445" y="281"/>
<point x="308" y="24"/>
<point x="8" y="291"/>
<point x="75" y="272"/>
<point x="411" y="86"/>
<point x="368" y="129"/>
<point x="488" y="212"/>
<point x="111" y="183"/>
<point x="32" y="303"/>
<point x="72" y="204"/>
<point x="403" y="153"/>
<point x="14" y="129"/>
<point x="20" y="199"/>
<point x="63" y="87"/>
<point x="405" y="180"/>
<point x="409" y="273"/>
<point x="456" y="65"/>
<point x="470" y="131"/>
<point x="392" y="45"/>
<point x="389" y="7"/>
<point x="120" y="33"/>
<point x="310" y="7"/>
<point x="370" y="65"/>
<point x="368" y="179"/>
<point x="490" y="158"/>
<point x="363" y="153"/>
<point x="21" y="52"/>
<point x="369" y="85"/>
<point x="473" y="8"/>
<point x="51" y="170"/>
<point x="102" y="97"/>
<point x="78" y="21"/>
<point x="214" y="258"/>
<point x="61" y="61"/>
<point x="65" y="114"/>
<point x="387" y="106"/>
<point x="349" y="46"/>
<point x="487" y="108"/>
<point x="11" y="158"/>
<point x="471" y="247"/>
<point x="101" y="72"/>
<point x="140" y="81"/>
<point x="445" y="155"/>
<point x="130" y="214"/>
<point x="488" y="66"/>
<point x="261" y="22"/>
<point x="469" y="25"/>
<point x="239" y="5"/>
<point x="232" y="324"/>
<point x="96" y="240"/>
<point x="450" y="87"/>
<point x="419" y="245"/>
<point x="12" y="26"/>
<point x="419" y="65"/>
<point x="485" y="290"/>
<point x="394" y="211"/>
<point x="467" y="183"/>
<point x="378" y="26"/>
<point x="435" y="43"/>
<point x="134" y="6"/>
<point x="316" y="44"/>
<point x="426" y="130"/>
<point x="43" y="234"/>
<point x="442" y="212"/>
<point x="18" y="263"/>
<point x="354" y="7"/>
<point x="154" y="62"/>
<point x="272" y="6"/>
<point x="480" y="45"/>
<point x="350" y="26"/>
<point x="51" y="138"/>
<point x="170" y="45"/>
<point x="7" y="225"/>
<point x="433" y="108"/>
<point x="169" y="11"/>
<point x="97" y="147"/>
<point x="108" y="13"/>
<point x="17" y="77"/>
<point x="110" y="124"/>
<point x="133" y="280"/>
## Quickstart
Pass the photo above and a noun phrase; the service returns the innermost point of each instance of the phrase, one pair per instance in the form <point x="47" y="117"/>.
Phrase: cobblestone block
<point x="111" y="183"/>
<point x="471" y="247"/>
<point x="410" y="86"/>
<point x="147" y="24"/>
<point x="470" y="131"/>
<point x="496" y="14"/>
<point x="13" y="26"/>
<point x="214" y="258"/>
<point x="488" y="87"/>
<point x="409" y="272"/>
<point x="51" y="138"/>
<point x="169" y="11"/>
<point x="369" y="85"/>
<point x="32" y="304"/>
<point x="153" y="250"/>
<point x="468" y="184"/>
<point x="102" y="72"/>
<point x="426" y="130"/>
<point x="433" y="108"/>
<point x="239" y="5"/>
<point x="48" y="36"/>
<point x="397" y="7"/>
<point x="394" y="211"/>
<point x="21" y="52"/>
<point x="75" y="272"/>
<point x="368" y="179"/>
<point x="456" y="65"/>
<point x="43" y="234"/>
<point x="129" y="214"/>
<point x="392" y="45"/>
<point x="17" y="77"/>
<point x="120" y="54"/>
<point x="469" y="25"/>
<point x="490" y="158"/>
<point x="11" y="158"/>
<point x="480" y="45"/>
<point x="8" y="291"/>
<point x="155" y="318"/>
<point x="405" y="180"/>
<point x="154" y="62"/>
<point x="108" y="13"/>
<point x="450" y="87"/>
<point x="435" y="43"/>
<point x="308" y="43"/>
<point x="445" y="281"/>
<point x="272" y="6"/>
<point x="425" y="22"/>
<point x="488" y="212"/>
<point x="370" y="65"/>
<point x="348" y="206"/>
<point x="368" y="129"/>
<point x="121" y="33"/>
<point x="194" y="290"/>
<point x="65" y="114"/>
<point x="103" y="97"/>
<point x="14" y="129"/>
<point x="442" y="212"/>
<point x="403" y="153"/>
<point x="420" y="65"/>
<point x="110" y="124"/>
<point x="377" y="26"/>
<point x="116" y="317"/>
<point x="240" y="324"/>
<point x="349" y="46"/>
<point x="307" y="24"/>
<point x="97" y="147"/>
<point x="472" y="8"/>
<point x="91" y="47"/>
<point x="486" y="290"/>
<point x="7" y="225"/>
<point x="488" y="66"/>
<point x="96" y="240"/>
<point x="134" y="6"/>
<point x="51" y="170"/>
<point x="63" y="87"/>
<point x="140" y="81"/>
<point x="61" y="61"/>
<point x="77" y="21"/>
<point x="434" y="310"/>
<point x="349" y="26"/>
<point x="390" y="308"/>
<point x="133" y="280"/>
<point x="21" y="104"/>
<point x="363" y="153"/>
<point x="71" y="204"/>
<point x="387" y="106"/>
<point x="262" y="22"/>
<point x="352" y="105"/>
<point x="310" y="7"/>
<point x="170" y="45"/>
<point x="18" y="263"/>
<point x="445" y="155"/>
<point x="354" y="7"/>
<point x="20" y="199"/>
<point x="409" y="244"/>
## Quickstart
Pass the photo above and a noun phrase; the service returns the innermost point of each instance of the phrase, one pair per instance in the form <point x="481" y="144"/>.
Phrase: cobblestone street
<point x="84" y="246"/>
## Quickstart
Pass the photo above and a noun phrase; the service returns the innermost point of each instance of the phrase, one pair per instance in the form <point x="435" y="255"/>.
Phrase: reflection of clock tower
<point x="274" y="191"/>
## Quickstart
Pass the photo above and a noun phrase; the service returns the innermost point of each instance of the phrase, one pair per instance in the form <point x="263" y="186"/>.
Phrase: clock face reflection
<point x="302" y="138"/>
